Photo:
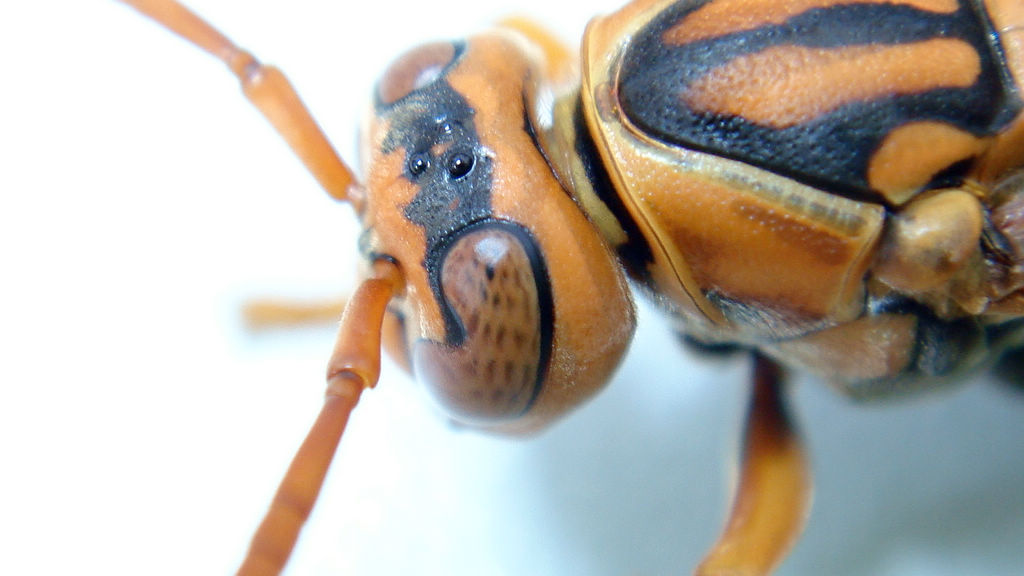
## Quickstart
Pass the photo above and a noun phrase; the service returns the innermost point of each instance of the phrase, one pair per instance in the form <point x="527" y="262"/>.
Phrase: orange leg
<point x="268" y="89"/>
<point x="270" y="314"/>
<point x="773" y="496"/>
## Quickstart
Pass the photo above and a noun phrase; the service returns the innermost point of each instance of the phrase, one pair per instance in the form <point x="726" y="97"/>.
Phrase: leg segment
<point x="773" y="496"/>
<point x="271" y="314"/>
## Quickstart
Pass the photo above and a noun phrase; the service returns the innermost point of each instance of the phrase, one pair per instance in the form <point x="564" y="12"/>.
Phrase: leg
<point x="271" y="314"/>
<point x="267" y="88"/>
<point x="773" y="496"/>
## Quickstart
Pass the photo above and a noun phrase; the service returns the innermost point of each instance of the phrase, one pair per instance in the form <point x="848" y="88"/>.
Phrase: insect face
<point x="504" y="275"/>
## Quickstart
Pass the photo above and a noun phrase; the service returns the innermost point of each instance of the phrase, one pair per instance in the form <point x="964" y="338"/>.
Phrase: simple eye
<point x="459" y="165"/>
<point x="418" y="164"/>
<point x="414" y="70"/>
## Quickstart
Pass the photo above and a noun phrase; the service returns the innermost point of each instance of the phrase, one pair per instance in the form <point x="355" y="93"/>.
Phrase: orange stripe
<point x="911" y="155"/>
<point x="728" y="16"/>
<point x="784" y="86"/>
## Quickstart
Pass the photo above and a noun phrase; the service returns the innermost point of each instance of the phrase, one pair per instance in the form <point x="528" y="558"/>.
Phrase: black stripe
<point x="833" y="151"/>
<point x="444" y="204"/>
<point x="635" y="254"/>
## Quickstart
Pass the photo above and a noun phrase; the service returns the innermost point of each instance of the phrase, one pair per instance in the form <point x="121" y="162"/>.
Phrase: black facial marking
<point x="832" y="151"/>
<point x="434" y="126"/>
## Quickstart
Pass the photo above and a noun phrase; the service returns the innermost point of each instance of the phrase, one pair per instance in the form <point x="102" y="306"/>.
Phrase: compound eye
<point x="414" y="70"/>
<point x="496" y="291"/>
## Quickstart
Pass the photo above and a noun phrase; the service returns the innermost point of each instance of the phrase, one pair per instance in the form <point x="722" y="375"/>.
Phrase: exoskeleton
<point x="833" y="185"/>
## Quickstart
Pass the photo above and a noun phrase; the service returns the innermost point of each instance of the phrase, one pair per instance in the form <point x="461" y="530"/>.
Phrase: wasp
<point x="716" y="299"/>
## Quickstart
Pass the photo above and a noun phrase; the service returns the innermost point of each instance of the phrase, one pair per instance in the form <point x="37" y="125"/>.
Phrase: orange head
<point x="514" y="309"/>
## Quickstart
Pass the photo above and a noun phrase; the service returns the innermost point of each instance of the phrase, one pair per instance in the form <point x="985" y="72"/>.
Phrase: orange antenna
<point x="267" y="88"/>
<point x="354" y="366"/>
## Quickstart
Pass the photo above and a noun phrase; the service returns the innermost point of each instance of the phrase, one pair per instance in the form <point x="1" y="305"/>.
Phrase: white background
<point x="143" y="431"/>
